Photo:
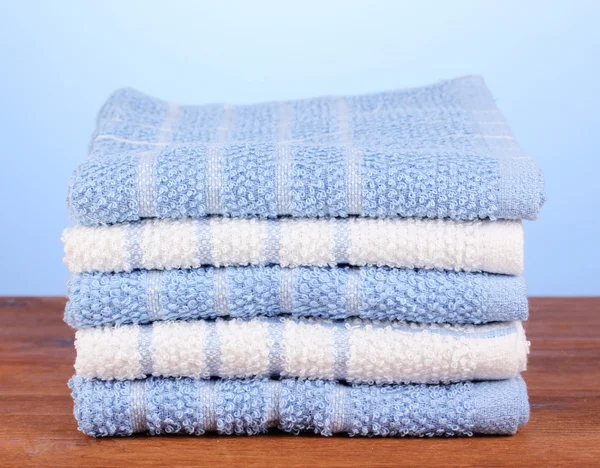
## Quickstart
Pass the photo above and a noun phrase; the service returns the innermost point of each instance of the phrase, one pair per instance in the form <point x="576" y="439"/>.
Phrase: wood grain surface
<point x="37" y="427"/>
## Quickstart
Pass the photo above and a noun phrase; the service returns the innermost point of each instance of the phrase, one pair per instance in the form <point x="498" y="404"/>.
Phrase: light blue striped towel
<point x="441" y="151"/>
<point x="142" y="296"/>
<point x="194" y="407"/>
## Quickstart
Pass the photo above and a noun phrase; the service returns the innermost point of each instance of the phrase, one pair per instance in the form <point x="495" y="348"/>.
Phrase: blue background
<point x="59" y="61"/>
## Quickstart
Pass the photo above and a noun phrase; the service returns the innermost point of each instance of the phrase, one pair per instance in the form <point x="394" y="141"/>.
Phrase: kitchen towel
<point x="375" y="293"/>
<point x="254" y="406"/>
<point x="441" y="151"/>
<point x="353" y="350"/>
<point x="492" y="246"/>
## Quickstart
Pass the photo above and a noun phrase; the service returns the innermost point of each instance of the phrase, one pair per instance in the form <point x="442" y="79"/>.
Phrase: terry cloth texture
<point x="194" y="407"/>
<point x="492" y="246"/>
<point x="353" y="351"/>
<point x="375" y="293"/>
<point x="441" y="151"/>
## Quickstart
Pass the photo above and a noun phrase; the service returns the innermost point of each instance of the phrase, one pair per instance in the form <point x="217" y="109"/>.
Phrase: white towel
<point x="355" y="351"/>
<point x="492" y="246"/>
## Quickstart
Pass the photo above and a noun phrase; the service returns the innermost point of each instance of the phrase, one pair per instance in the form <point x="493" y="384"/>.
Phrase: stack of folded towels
<point x="334" y="265"/>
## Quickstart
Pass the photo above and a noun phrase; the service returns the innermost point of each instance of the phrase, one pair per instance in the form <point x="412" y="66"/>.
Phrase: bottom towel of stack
<point x="159" y="405"/>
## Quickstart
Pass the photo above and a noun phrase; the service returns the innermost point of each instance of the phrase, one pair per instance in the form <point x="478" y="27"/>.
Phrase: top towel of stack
<point x="442" y="151"/>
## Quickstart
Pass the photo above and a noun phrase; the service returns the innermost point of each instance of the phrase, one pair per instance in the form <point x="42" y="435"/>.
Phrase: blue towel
<point x="142" y="296"/>
<point x="442" y="151"/>
<point x="254" y="406"/>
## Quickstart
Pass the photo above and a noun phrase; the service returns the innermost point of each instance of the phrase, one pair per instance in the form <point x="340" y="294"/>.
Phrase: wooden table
<point x="37" y="427"/>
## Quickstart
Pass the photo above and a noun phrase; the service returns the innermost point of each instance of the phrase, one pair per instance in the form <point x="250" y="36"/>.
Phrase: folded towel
<point x="493" y="246"/>
<point x="375" y="293"/>
<point x="354" y="351"/>
<point x="193" y="407"/>
<point x="442" y="151"/>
